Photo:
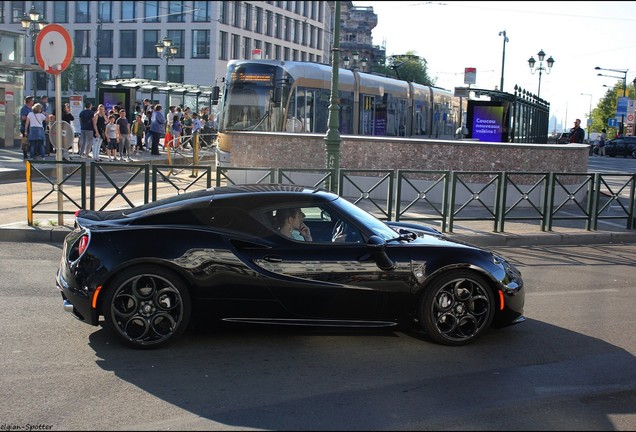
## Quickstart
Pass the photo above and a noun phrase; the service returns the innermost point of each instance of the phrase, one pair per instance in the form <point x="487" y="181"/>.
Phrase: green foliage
<point x="407" y="67"/>
<point x="73" y="78"/>
<point x="606" y="109"/>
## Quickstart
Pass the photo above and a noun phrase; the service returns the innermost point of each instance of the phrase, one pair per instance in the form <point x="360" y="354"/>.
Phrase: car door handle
<point x="273" y="258"/>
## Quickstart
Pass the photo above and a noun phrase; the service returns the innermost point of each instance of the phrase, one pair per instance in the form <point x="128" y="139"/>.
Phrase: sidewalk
<point x="518" y="233"/>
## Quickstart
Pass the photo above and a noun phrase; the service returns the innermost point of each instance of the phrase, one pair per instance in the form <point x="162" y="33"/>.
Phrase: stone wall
<point x="307" y="151"/>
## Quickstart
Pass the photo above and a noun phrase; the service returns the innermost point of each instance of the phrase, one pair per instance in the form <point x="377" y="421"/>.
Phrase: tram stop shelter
<point x="128" y="90"/>
<point x="521" y="117"/>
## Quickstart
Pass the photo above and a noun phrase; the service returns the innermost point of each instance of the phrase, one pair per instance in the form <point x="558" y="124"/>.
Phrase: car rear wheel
<point x="457" y="308"/>
<point x="147" y="307"/>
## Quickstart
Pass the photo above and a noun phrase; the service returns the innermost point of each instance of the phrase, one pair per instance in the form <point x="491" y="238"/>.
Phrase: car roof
<point x="246" y="196"/>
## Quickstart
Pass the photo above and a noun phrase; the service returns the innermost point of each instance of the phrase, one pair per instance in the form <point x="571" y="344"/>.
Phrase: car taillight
<point x="82" y="244"/>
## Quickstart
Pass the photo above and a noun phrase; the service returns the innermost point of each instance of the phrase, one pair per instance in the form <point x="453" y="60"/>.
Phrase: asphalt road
<point x="570" y="366"/>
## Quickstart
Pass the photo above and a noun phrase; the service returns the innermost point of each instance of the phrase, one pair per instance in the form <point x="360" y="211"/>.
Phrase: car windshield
<point x="378" y="227"/>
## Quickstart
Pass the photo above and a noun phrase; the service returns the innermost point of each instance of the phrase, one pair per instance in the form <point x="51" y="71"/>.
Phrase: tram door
<point x="367" y="116"/>
<point x="304" y="119"/>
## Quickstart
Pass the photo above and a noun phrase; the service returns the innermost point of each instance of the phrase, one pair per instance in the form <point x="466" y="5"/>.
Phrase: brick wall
<point x="307" y="151"/>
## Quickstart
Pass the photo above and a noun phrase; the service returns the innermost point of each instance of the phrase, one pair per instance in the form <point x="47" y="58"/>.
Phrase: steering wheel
<point x="338" y="234"/>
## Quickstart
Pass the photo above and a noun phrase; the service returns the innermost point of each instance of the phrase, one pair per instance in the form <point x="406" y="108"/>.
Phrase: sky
<point x="455" y="35"/>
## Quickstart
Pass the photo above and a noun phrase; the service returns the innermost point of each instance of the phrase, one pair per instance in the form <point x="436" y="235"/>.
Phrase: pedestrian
<point x="157" y="128"/>
<point x="577" y="134"/>
<point x="68" y="117"/>
<point x="124" y="136"/>
<point x="24" y="112"/>
<point x="176" y="130"/>
<point x="44" y="101"/>
<point x="99" y="126"/>
<point x="112" y="134"/>
<point x="601" y="143"/>
<point x="35" y="127"/>
<point x="187" y="127"/>
<point x="87" y="132"/>
<point x="138" y="129"/>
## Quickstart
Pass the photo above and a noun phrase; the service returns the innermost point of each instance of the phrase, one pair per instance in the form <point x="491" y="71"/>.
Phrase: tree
<point x="407" y="67"/>
<point x="74" y="77"/>
<point x="606" y="109"/>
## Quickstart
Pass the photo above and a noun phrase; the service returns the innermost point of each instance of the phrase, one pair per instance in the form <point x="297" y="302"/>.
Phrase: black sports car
<point x="277" y="254"/>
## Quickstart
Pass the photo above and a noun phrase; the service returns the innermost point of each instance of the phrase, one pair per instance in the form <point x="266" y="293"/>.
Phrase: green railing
<point x="443" y="198"/>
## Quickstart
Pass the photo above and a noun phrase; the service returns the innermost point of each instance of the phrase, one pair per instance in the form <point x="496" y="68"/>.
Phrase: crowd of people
<point x="108" y="134"/>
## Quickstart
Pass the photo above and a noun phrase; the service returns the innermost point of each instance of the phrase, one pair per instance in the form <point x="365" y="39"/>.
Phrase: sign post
<point x="54" y="52"/>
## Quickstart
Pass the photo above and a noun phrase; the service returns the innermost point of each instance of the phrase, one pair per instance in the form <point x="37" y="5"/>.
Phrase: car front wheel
<point x="457" y="308"/>
<point x="147" y="307"/>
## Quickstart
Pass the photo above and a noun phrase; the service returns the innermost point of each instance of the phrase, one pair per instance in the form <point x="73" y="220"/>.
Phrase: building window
<point x="83" y="82"/>
<point x="82" y="43"/>
<point x="105" y="72"/>
<point x="128" y="11"/>
<point x="17" y="11"/>
<point x="296" y="35"/>
<point x="151" y="37"/>
<point x="175" y="12"/>
<point x="288" y="29"/>
<point x="279" y="26"/>
<point x="60" y="12"/>
<point x="105" y="47"/>
<point x="127" y="71"/>
<point x="277" y="52"/>
<point x="200" y="43"/>
<point x="150" y="72"/>
<point x="151" y="11"/>
<point x="105" y="11"/>
<point x="259" y="20"/>
<point x="201" y="11"/>
<point x="247" y="48"/>
<point x="248" y="17"/>
<point x="175" y="73"/>
<point x="236" y="47"/>
<point x="269" y="23"/>
<point x="223" y="18"/>
<point x="286" y="55"/>
<point x="319" y="38"/>
<point x="223" y="46"/>
<point x="82" y="12"/>
<point x="178" y="40"/>
<point x="237" y="14"/>
<point x="268" y="50"/>
<point x="128" y="43"/>
<point x="41" y="81"/>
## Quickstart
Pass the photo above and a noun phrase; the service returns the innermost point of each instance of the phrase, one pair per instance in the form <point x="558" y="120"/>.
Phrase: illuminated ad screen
<point x="486" y="121"/>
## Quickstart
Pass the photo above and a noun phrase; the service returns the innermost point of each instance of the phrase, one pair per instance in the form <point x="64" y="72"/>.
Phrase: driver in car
<point x="290" y="222"/>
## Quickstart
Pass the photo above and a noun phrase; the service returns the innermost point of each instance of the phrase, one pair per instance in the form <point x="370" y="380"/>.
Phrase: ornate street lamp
<point x="32" y="23"/>
<point x="532" y="62"/>
<point x="166" y="50"/>
<point x="346" y="61"/>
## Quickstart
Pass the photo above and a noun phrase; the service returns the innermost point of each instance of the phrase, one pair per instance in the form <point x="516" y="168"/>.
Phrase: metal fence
<point x="442" y="198"/>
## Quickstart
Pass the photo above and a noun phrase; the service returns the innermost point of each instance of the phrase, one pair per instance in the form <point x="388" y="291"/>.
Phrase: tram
<point x="288" y="96"/>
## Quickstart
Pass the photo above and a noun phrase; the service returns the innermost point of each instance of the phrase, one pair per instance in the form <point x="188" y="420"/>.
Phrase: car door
<point x="331" y="280"/>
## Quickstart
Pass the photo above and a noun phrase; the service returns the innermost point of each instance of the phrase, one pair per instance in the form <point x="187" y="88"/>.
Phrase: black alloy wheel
<point x="147" y="307"/>
<point x="457" y="308"/>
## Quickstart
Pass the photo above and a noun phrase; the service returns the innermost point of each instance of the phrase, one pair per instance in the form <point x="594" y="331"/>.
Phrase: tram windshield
<point x="248" y="97"/>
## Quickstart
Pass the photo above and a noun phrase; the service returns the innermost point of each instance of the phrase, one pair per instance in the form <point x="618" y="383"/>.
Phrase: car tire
<point x="457" y="308"/>
<point x="633" y="154"/>
<point x="147" y="307"/>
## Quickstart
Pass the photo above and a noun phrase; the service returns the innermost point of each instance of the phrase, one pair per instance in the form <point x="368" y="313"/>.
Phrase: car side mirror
<point x="377" y="248"/>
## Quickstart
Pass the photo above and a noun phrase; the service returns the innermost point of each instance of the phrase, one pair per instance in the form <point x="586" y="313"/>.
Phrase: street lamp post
<point x="332" y="139"/>
<point x="532" y="62"/>
<point x="346" y="62"/>
<point x="589" y="116"/>
<point x="624" y="78"/>
<point x="32" y="23"/>
<point x="503" y="57"/>
<point x="166" y="50"/>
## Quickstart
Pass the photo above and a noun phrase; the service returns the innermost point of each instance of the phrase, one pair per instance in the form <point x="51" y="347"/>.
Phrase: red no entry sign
<point x="54" y="49"/>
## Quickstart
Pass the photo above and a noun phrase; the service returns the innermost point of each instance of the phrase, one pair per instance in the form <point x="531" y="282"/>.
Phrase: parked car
<point x="623" y="146"/>
<point x="563" y="138"/>
<point x="150" y="271"/>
